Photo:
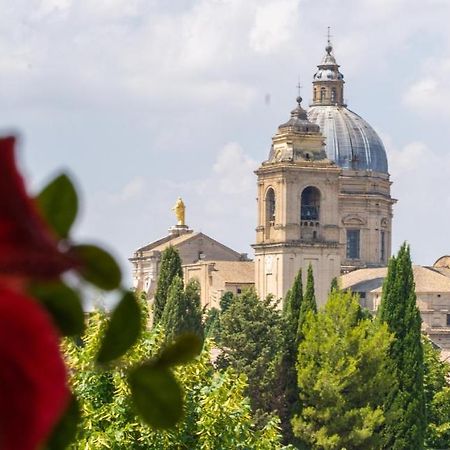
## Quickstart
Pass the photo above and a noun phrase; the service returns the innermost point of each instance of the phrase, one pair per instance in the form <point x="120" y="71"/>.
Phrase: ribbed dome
<point x="350" y="141"/>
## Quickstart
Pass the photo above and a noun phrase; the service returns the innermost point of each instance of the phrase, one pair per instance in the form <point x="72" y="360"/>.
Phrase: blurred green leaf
<point x="65" y="431"/>
<point x="63" y="304"/>
<point x="123" y="329"/>
<point x="58" y="203"/>
<point x="98" y="266"/>
<point x="185" y="348"/>
<point x="156" y="395"/>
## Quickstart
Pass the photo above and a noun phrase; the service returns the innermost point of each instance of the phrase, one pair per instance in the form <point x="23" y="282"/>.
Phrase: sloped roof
<point x="176" y="241"/>
<point x="235" y="271"/>
<point x="427" y="279"/>
<point x="165" y="242"/>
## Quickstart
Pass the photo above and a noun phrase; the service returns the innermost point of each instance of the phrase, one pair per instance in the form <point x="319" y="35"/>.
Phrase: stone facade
<point x="218" y="277"/>
<point x="432" y="291"/>
<point x="194" y="248"/>
<point x="323" y="194"/>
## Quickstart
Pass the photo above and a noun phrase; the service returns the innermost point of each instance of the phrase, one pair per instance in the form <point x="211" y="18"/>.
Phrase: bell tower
<point x="298" y="210"/>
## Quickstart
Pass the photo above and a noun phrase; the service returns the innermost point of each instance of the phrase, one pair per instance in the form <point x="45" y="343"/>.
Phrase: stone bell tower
<point x="298" y="216"/>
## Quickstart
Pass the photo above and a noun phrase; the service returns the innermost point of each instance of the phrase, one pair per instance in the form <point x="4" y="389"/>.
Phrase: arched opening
<point x="270" y="207"/>
<point x="322" y="94"/>
<point x="310" y="204"/>
<point x="333" y="95"/>
<point x="315" y="94"/>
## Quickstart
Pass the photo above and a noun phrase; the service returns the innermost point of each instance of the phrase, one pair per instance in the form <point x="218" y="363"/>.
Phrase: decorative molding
<point x="354" y="219"/>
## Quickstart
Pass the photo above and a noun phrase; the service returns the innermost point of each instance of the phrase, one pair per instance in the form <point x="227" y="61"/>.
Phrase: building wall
<point x="277" y="269"/>
<point x="214" y="280"/>
<point x="288" y="243"/>
<point x="365" y="204"/>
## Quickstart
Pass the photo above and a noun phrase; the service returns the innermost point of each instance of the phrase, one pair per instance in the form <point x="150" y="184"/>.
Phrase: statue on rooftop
<point x="179" y="209"/>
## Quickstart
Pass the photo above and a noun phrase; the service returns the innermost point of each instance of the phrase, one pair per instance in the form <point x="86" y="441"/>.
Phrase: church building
<point x="323" y="193"/>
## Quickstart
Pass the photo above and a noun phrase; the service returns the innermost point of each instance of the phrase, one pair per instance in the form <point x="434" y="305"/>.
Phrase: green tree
<point x="251" y="340"/>
<point x="217" y="414"/>
<point x="288" y="372"/>
<point x="193" y="312"/>
<point x="343" y="376"/>
<point x="212" y="325"/>
<point x="309" y="301"/>
<point x="226" y="300"/>
<point x="437" y="396"/>
<point x="170" y="267"/>
<point x="405" y="405"/>
<point x="182" y="313"/>
<point x="334" y="286"/>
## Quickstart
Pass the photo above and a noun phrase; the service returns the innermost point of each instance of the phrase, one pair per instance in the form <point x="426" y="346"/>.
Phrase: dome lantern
<point x="350" y="141"/>
<point x="328" y="82"/>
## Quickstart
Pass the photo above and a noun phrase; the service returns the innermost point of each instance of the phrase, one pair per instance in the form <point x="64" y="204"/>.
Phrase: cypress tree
<point x="288" y="372"/>
<point x="191" y="320"/>
<point x="334" y="286"/>
<point x="182" y="313"/>
<point x="173" y="310"/>
<point x="405" y="405"/>
<point x="169" y="269"/>
<point x="309" y="301"/>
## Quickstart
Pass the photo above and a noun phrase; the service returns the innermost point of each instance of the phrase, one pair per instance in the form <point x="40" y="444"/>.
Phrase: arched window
<point x="322" y="94"/>
<point x="310" y="204"/>
<point x="270" y="206"/>
<point x="333" y="95"/>
<point x="315" y="94"/>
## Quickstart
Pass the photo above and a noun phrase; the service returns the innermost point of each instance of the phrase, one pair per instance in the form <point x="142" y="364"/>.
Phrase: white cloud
<point x="421" y="184"/>
<point x="430" y="94"/>
<point x="274" y="25"/>
<point x="135" y="188"/>
<point x="234" y="170"/>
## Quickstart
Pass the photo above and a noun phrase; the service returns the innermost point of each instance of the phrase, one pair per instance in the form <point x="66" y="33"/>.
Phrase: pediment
<point x="354" y="220"/>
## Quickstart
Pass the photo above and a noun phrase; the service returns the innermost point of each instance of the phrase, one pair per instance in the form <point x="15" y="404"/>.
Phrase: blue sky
<point x="143" y="101"/>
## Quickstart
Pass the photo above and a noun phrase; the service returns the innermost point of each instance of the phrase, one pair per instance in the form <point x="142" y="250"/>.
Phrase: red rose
<point x="33" y="387"/>
<point x="27" y="246"/>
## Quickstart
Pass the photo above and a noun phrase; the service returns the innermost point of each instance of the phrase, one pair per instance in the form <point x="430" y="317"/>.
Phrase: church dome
<point x="350" y="141"/>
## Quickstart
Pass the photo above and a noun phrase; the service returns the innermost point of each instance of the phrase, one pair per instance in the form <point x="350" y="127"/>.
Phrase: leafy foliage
<point x="251" y="341"/>
<point x="343" y="376"/>
<point x="123" y="329"/>
<point x="216" y="413"/>
<point x="58" y="204"/>
<point x="437" y="395"/>
<point x="288" y="372"/>
<point x="182" y="312"/>
<point x="170" y="268"/>
<point x="405" y="405"/>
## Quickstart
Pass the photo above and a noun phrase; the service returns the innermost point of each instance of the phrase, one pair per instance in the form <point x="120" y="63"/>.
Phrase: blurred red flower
<point x="33" y="387"/>
<point x="33" y="381"/>
<point x="28" y="248"/>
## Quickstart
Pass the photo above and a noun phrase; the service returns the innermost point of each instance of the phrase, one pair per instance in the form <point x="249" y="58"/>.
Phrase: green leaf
<point x="185" y="348"/>
<point x="98" y="267"/>
<point x="123" y="329"/>
<point x="58" y="203"/>
<point x="63" y="304"/>
<point x="65" y="431"/>
<point x="156" y="395"/>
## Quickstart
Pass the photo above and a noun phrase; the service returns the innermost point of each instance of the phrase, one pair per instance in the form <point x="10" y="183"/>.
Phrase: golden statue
<point x="179" y="209"/>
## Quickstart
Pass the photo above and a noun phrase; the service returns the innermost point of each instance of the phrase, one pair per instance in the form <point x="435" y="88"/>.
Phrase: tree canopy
<point x="170" y="267"/>
<point x="405" y="404"/>
<point x="343" y="376"/>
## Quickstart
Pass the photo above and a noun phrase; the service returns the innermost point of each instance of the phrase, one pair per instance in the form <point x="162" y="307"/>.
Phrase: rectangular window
<point x="382" y="246"/>
<point x="352" y="244"/>
<point x="448" y="320"/>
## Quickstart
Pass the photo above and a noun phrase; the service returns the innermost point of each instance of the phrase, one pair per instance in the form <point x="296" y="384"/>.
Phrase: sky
<point x="143" y="101"/>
